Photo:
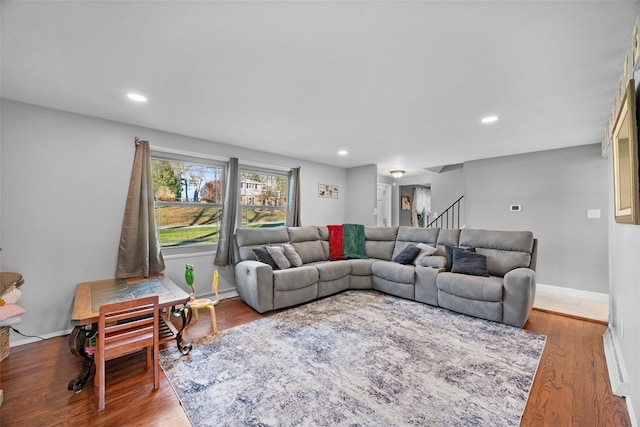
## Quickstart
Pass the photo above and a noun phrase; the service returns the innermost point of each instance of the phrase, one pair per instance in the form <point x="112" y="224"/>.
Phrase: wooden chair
<point x="123" y="328"/>
<point x="199" y="303"/>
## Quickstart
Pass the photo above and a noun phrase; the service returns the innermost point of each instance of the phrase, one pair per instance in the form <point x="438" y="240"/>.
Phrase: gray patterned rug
<point x="358" y="359"/>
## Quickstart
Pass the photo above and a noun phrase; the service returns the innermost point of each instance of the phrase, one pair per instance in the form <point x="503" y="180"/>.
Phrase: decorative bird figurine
<point x="188" y="275"/>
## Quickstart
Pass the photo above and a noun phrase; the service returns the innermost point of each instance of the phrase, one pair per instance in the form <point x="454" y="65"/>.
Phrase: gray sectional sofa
<point x="505" y="295"/>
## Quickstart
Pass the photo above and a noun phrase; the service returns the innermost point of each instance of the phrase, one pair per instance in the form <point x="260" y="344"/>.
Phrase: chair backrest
<point x="127" y="326"/>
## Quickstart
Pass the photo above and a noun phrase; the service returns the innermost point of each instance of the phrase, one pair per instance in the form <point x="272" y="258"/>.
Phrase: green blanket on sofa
<point x="353" y="241"/>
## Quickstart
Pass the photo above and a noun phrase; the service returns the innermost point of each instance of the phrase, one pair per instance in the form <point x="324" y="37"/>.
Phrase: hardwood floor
<point x="571" y="386"/>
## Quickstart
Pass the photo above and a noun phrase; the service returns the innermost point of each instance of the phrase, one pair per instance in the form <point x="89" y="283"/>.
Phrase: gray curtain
<point x="224" y="254"/>
<point x="139" y="250"/>
<point x="293" y="199"/>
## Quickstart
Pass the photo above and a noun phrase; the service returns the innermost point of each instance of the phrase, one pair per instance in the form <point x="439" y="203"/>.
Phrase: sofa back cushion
<point x="249" y="238"/>
<point x="413" y="235"/>
<point x="323" y="230"/>
<point x="447" y="237"/>
<point x="505" y="250"/>
<point x="380" y="241"/>
<point x="307" y="243"/>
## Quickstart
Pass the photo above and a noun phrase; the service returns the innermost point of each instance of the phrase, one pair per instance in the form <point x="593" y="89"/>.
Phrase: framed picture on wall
<point x="329" y="191"/>
<point x="405" y="203"/>
<point x="625" y="161"/>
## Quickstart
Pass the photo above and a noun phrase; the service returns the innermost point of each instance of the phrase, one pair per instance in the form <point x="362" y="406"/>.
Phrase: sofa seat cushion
<point x="333" y="270"/>
<point x="361" y="267"/>
<point x="394" y="272"/>
<point x="294" y="278"/>
<point x="471" y="287"/>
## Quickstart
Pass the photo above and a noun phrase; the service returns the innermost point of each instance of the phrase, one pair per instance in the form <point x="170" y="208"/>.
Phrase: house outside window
<point x="263" y="198"/>
<point x="187" y="200"/>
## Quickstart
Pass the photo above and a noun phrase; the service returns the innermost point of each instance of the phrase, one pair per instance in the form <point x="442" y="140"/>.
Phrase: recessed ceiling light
<point x="136" y="97"/>
<point x="343" y="152"/>
<point x="489" y="119"/>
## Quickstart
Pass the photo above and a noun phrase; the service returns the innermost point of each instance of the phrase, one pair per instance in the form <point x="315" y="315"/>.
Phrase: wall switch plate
<point x="515" y="208"/>
<point x="593" y="213"/>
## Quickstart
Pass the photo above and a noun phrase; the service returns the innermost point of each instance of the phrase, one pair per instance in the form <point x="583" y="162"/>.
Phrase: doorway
<point x="415" y="205"/>
<point x="383" y="207"/>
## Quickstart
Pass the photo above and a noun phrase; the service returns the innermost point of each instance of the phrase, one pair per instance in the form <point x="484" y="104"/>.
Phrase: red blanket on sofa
<point x="335" y="242"/>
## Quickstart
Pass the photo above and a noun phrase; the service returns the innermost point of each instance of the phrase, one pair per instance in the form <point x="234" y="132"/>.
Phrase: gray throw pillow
<point x="262" y="255"/>
<point x="425" y="251"/>
<point x="467" y="262"/>
<point x="277" y="253"/>
<point x="292" y="255"/>
<point x="407" y="255"/>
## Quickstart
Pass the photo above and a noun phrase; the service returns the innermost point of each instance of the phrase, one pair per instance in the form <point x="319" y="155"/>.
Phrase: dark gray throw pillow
<point x="467" y="262"/>
<point x="449" y="250"/>
<point x="407" y="255"/>
<point x="262" y="255"/>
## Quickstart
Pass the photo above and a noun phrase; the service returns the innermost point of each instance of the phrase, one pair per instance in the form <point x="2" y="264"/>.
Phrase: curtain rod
<point x="138" y="141"/>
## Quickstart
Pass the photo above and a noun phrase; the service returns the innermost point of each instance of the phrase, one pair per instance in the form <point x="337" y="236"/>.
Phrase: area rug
<point x="359" y="358"/>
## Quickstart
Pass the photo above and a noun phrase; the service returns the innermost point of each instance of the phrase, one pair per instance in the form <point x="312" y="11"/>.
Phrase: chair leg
<point x="156" y="369"/>
<point x="214" y="323"/>
<point x="100" y="367"/>
<point x="195" y="311"/>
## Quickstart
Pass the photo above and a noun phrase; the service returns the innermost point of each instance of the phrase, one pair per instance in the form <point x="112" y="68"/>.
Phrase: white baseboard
<point x="189" y="255"/>
<point x="632" y="414"/>
<point x="595" y="296"/>
<point x="18" y="340"/>
<point x="617" y="372"/>
<point x="224" y="294"/>
<point x="618" y="376"/>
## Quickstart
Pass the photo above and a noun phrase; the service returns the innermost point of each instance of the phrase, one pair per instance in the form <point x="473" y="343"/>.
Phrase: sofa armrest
<point x="519" y="294"/>
<point x="254" y="283"/>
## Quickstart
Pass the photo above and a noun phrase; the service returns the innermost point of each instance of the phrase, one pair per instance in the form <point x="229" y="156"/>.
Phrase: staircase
<point x="450" y="218"/>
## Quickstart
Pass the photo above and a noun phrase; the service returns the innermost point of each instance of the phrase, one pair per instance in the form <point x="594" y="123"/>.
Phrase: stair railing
<point x="450" y="218"/>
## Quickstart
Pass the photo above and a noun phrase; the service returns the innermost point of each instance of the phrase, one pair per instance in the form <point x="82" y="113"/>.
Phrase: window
<point x="263" y="198"/>
<point x="188" y="200"/>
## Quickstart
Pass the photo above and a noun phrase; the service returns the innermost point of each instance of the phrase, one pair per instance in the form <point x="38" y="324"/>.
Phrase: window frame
<point x="174" y="156"/>
<point x="263" y="171"/>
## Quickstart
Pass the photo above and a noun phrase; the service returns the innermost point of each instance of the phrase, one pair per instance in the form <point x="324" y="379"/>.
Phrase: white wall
<point x="361" y="195"/>
<point x="555" y="189"/>
<point x="64" y="180"/>
<point x="624" y="293"/>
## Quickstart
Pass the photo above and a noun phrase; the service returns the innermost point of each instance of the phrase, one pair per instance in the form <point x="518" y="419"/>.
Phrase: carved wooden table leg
<point x="185" y="314"/>
<point x="76" y="345"/>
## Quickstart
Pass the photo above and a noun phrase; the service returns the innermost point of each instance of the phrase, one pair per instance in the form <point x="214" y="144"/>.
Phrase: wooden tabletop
<point x="91" y="295"/>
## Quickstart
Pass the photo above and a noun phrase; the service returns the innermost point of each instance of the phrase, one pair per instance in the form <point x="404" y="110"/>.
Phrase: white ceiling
<point x="401" y="84"/>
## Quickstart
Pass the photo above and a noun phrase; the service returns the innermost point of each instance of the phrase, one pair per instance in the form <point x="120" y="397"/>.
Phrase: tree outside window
<point x="263" y="198"/>
<point x="188" y="202"/>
